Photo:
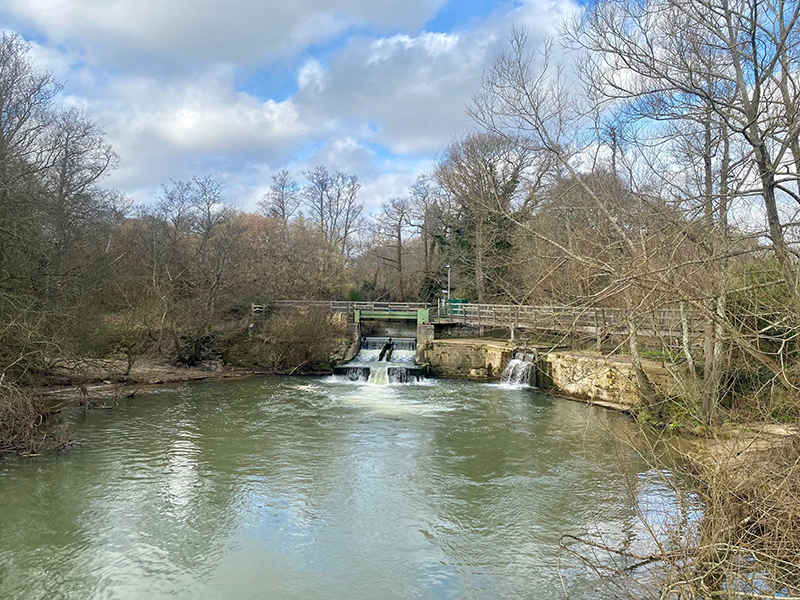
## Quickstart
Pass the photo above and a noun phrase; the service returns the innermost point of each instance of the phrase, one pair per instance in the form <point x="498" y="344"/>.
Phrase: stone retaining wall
<point x="585" y="376"/>
<point x="590" y="378"/>
<point x="468" y="359"/>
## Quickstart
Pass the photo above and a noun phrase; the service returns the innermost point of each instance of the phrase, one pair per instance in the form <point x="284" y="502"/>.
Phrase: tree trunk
<point x="687" y="350"/>
<point x="710" y="368"/>
<point x="708" y="175"/>
<point x="400" y="286"/>
<point x="779" y="245"/>
<point x="643" y="382"/>
<point x="719" y="347"/>
<point x="724" y="175"/>
<point x="426" y="251"/>
<point x="479" y="234"/>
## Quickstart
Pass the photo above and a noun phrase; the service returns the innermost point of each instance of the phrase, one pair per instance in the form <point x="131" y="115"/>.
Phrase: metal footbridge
<point x="594" y="321"/>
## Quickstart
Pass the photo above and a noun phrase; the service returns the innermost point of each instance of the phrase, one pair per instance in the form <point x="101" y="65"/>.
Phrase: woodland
<point x="646" y="158"/>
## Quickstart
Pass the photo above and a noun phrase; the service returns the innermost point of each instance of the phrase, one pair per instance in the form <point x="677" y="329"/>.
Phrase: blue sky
<point x="240" y="89"/>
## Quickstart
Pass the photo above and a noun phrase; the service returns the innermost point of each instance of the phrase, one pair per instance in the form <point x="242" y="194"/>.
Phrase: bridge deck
<point x="664" y="323"/>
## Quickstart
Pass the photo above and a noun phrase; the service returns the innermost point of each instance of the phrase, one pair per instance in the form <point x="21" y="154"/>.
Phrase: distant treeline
<point x="624" y="182"/>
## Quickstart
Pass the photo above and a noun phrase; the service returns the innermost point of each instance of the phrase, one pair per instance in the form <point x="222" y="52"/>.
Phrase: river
<point x="304" y="488"/>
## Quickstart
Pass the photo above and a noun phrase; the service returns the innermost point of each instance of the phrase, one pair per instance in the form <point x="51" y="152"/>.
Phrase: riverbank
<point x="748" y="483"/>
<point x="105" y="378"/>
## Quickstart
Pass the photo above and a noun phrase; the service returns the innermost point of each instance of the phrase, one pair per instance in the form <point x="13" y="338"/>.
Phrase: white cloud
<point x="123" y="32"/>
<point x="165" y="80"/>
<point x="387" y="185"/>
<point x="173" y="130"/>
<point x="310" y="75"/>
<point x="413" y="88"/>
<point x="434" y="45"/>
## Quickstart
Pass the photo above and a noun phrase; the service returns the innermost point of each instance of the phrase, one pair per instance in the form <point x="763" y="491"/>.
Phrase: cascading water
<point x="520" y="370"/>
<point x="367" y="366"/>
<point x="377" y="343"/>
<point x="378" y="375"/>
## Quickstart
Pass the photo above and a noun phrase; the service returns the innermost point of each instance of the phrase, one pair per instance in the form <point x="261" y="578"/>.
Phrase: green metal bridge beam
<point x="421" y="315"/>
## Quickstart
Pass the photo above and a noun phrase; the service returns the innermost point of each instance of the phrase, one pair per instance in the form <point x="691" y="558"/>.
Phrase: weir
<point x="520" y="370"/>
<point x="400" y="344"/>
<point x="367" y="366"/>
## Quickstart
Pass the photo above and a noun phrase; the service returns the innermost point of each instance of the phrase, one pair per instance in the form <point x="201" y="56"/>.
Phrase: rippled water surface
<point x="312" y="488"/>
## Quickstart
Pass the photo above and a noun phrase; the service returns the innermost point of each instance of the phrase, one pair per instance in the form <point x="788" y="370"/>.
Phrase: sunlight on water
<point x="304" y="488"/>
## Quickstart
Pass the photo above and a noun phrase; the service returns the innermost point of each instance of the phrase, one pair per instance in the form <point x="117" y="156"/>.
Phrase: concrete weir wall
<point x="603" y="380"/>
<point x="480" y="360"/>
<point x="594" y="379"/>
<point x="584" y="376"/>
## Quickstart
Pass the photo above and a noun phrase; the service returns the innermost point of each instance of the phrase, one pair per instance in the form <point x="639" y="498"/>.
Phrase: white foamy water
<point x="520" y="371"/>
<point x="369" y="357"/>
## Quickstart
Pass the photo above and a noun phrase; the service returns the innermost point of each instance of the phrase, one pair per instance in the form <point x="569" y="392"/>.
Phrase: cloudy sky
<point x="243" y="88"/>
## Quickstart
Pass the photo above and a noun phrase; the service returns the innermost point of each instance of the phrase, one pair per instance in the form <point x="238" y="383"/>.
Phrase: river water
<point x="314" y="488"/>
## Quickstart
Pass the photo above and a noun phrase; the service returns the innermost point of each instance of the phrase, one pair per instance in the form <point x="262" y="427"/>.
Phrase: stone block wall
<point x="599" y="379"/>
<point x="468" y="360"/>
<point x="425" y="334"/>
<point x="590" y="378"/>
<point x="354" y="340"/>
<point x="594" y="378"/>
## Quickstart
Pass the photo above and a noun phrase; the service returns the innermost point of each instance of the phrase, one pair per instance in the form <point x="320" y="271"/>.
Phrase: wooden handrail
<point x="665" y="321"/>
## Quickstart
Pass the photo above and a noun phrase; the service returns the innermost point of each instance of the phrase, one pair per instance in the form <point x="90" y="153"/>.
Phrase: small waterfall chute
<point x="377" y="343"/>
<point x="378" y="375"/>
<point x="352" y="373"/>
<point x="520" y="370"/>
<point x="405" y="374"/>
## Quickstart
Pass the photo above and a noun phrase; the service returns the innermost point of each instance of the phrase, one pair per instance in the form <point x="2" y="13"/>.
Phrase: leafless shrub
<point x="749" y="544"/>
<point x="294" y="342"/>
<point x="730" y="528"/>
<point x="22" y="415"/>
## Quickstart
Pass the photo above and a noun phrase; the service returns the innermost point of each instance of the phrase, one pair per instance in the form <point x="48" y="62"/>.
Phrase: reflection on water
<point x="313" y="488"/>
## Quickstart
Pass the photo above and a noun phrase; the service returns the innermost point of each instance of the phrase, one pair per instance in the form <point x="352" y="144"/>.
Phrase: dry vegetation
<point x="22" y="414"/>
<point x="750" y="532"/>
<point x="656" y="166"/>
<point x="296" y="342"/>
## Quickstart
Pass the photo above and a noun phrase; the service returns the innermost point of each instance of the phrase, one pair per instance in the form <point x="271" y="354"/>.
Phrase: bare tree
<point x="188" y="242"/>
<point x="427" y="200"/>
<point x="283" y="199"/>
<point x="332" y="202"/>
<point x="737" y="60"/>
<point x="26" y="97"/>
<point x="484" y="174"/>
<point x="393" y="224"/>
<point x="80" y="158"/>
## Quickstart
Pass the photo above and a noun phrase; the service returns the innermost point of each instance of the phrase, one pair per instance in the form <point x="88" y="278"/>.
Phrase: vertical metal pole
<point x="449" y="304"/>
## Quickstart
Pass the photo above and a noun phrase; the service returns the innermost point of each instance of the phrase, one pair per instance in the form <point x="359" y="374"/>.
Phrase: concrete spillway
<point x="367" y="366"/>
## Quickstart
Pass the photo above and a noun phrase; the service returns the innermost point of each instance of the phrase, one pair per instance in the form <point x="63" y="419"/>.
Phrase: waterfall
<point x="356" y="373"/>
<point x="520" y="370"/>
<point x="378" y="375"/>
<point x="367" y="367"/>
<point x="400" y="344"/>
<point x="404" y="375"/>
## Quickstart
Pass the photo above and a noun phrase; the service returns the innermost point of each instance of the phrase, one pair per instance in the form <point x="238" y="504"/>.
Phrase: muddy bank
<point x="737" y="448"/>
<point x="105" y="379"/>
